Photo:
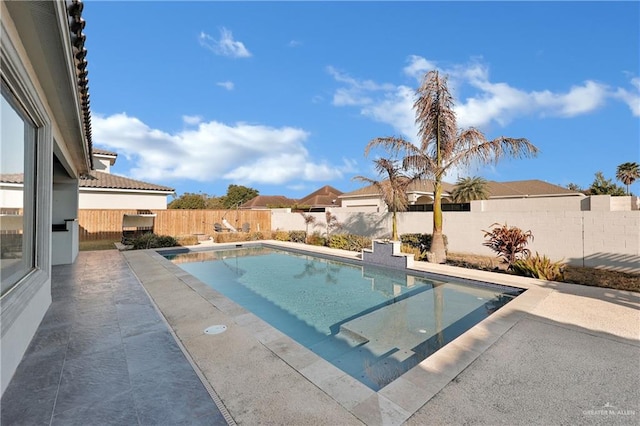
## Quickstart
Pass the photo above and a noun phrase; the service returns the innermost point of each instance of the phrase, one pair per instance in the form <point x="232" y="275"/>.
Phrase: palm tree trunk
<point x="394" y="227"/>
<point x="438" y="311"/>
<point x="437" y="242"/>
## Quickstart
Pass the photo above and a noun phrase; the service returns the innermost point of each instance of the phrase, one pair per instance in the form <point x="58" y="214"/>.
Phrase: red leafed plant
<point x="509" y="242"/>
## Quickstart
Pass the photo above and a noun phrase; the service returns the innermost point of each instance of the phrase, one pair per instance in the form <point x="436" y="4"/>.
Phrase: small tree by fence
<point x="105" y="224"/>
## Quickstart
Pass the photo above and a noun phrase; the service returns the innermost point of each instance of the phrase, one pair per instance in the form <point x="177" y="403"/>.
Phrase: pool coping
<point x="400" y="399"/>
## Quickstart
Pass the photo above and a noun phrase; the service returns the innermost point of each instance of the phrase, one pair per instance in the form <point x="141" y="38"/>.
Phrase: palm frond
<point x="469" y="189"/>
<point x="392" y="144"/>
<point x="393" y="189"/>
<point x="474" y="147"/>
<point x="435" y="116"/>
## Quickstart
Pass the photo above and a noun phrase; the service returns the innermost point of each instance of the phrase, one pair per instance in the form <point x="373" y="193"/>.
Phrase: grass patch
<point x="98" y="245"/>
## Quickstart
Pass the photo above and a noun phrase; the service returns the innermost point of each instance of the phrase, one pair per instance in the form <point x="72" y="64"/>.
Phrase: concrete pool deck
<point x="558" y="354"/>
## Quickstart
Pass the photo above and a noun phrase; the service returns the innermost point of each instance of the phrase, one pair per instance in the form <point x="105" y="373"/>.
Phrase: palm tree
<point x="442" y="146"/>
<point x="574" y="187"/>
<point x="627" y="173"/>
<point x="393" y="189"/>
<point x="308" y="220"/>
<point x="469" y="189"/>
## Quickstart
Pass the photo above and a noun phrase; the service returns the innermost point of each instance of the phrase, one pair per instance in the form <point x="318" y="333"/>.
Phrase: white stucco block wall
<point x="612" y="239"/>
<point x="530" y="204"/>
<point x="597" y="239"/>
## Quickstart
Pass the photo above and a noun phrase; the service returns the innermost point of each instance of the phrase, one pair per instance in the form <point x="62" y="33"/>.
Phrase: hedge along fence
<point x="107" y="224"/>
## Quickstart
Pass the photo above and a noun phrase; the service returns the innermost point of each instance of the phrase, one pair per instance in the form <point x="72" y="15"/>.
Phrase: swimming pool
<point x="371" y="322"/>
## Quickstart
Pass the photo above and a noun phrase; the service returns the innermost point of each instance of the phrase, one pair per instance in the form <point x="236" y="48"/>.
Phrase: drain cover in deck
<point x="216" y="329"/>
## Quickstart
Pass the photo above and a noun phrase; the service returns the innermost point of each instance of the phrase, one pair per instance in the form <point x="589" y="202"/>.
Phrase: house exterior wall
<point x="372" y="204"/>
<point x="573" y="203"/>
<point x="24" y="304"/>
<point x="11" y="196"/>
<point x="102" y="164"/>
<point x="121" y="201"/>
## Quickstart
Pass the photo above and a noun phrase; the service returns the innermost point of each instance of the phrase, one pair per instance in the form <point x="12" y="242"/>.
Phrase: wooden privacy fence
<point x="104" y="224"/>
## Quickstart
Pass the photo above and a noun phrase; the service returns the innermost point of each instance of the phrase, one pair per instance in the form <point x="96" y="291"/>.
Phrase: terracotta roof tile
<point x="513" y="189"/>
<point x="100" y="151"/>
<point x="526" y="188"/>
<point x="107" y="180"/>
<point x="424" y="186"/>
<point x="265" y="201"/>
<point x="325" y="196"/>
<point x="76" y="25"/>
<point x="12" y="178"/>
<point x="99" y="180"/>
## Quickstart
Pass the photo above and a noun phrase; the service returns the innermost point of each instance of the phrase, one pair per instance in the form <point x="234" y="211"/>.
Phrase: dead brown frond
<point x="474" y="147"/>
<point x="436" y="119"/>
<point x="392" y="144"/>
<point x="393" y="189"/>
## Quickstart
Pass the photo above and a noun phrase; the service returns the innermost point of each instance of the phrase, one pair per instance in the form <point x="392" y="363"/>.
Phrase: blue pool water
<point x="373" y="323"/>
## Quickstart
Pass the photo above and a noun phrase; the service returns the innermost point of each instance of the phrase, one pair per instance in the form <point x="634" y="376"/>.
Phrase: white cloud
<point x="578" y="100"/>
<point x="226" y="84"/>
<point x="631" y="98"/>
<point x="245" y="153"/>
<point x="225" y="46"/>
<point x="355" y="91"/>
<point x="295" y="43"/>
<point x="192" y="119"/>
<point x="418" y="66"/>
<point x="489" y="102"/>
<point x="395" y="108"/>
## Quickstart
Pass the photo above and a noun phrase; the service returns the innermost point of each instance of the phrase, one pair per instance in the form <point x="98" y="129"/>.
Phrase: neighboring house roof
<point x="101" y="155"/>
<point x="527" y="188"/>
<point x="417" y="187"/>
<point x="426" y="187"/>
<point x="265" y="201"/>
<point x="325" y="196"/>
<point x="513" y="189"/>
<point x="98" y="151"/>
<point x="12" y="178"/>
<point x="101" y="180"/>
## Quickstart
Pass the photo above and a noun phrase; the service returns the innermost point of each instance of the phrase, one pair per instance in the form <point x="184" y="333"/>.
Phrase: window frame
<point x="17" y="78"/>
<point x="30" y="203"/>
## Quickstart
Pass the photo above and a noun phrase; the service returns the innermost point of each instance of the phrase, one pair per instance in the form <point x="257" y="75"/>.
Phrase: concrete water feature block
<point x="387" y="253"/>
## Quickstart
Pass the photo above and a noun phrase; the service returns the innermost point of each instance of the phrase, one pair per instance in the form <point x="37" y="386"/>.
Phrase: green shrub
<point x="361" y="242"/>
<point x="187" y="240"/>
<point x="539" y="267"/>
<point x="281" y="236"/>
<point x="339" y="241"/>
<point x="255" y="236"/>
<point x="297" y="236"/>
<point x="415" y="251"/>
<point x="349" y="242"/>
<point x="316" y="239"/>
<point x="149" y="241"/>
<point x="421" y="241"/>
<point x="508" y="242"/>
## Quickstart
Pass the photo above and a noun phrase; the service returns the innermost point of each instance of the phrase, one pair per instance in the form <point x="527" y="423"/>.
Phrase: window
<point x="446" y="207"/>
<point x="17" y="194"/>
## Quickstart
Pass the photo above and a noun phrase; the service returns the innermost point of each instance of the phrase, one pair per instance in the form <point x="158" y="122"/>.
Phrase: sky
<point x="283" y="97"/>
